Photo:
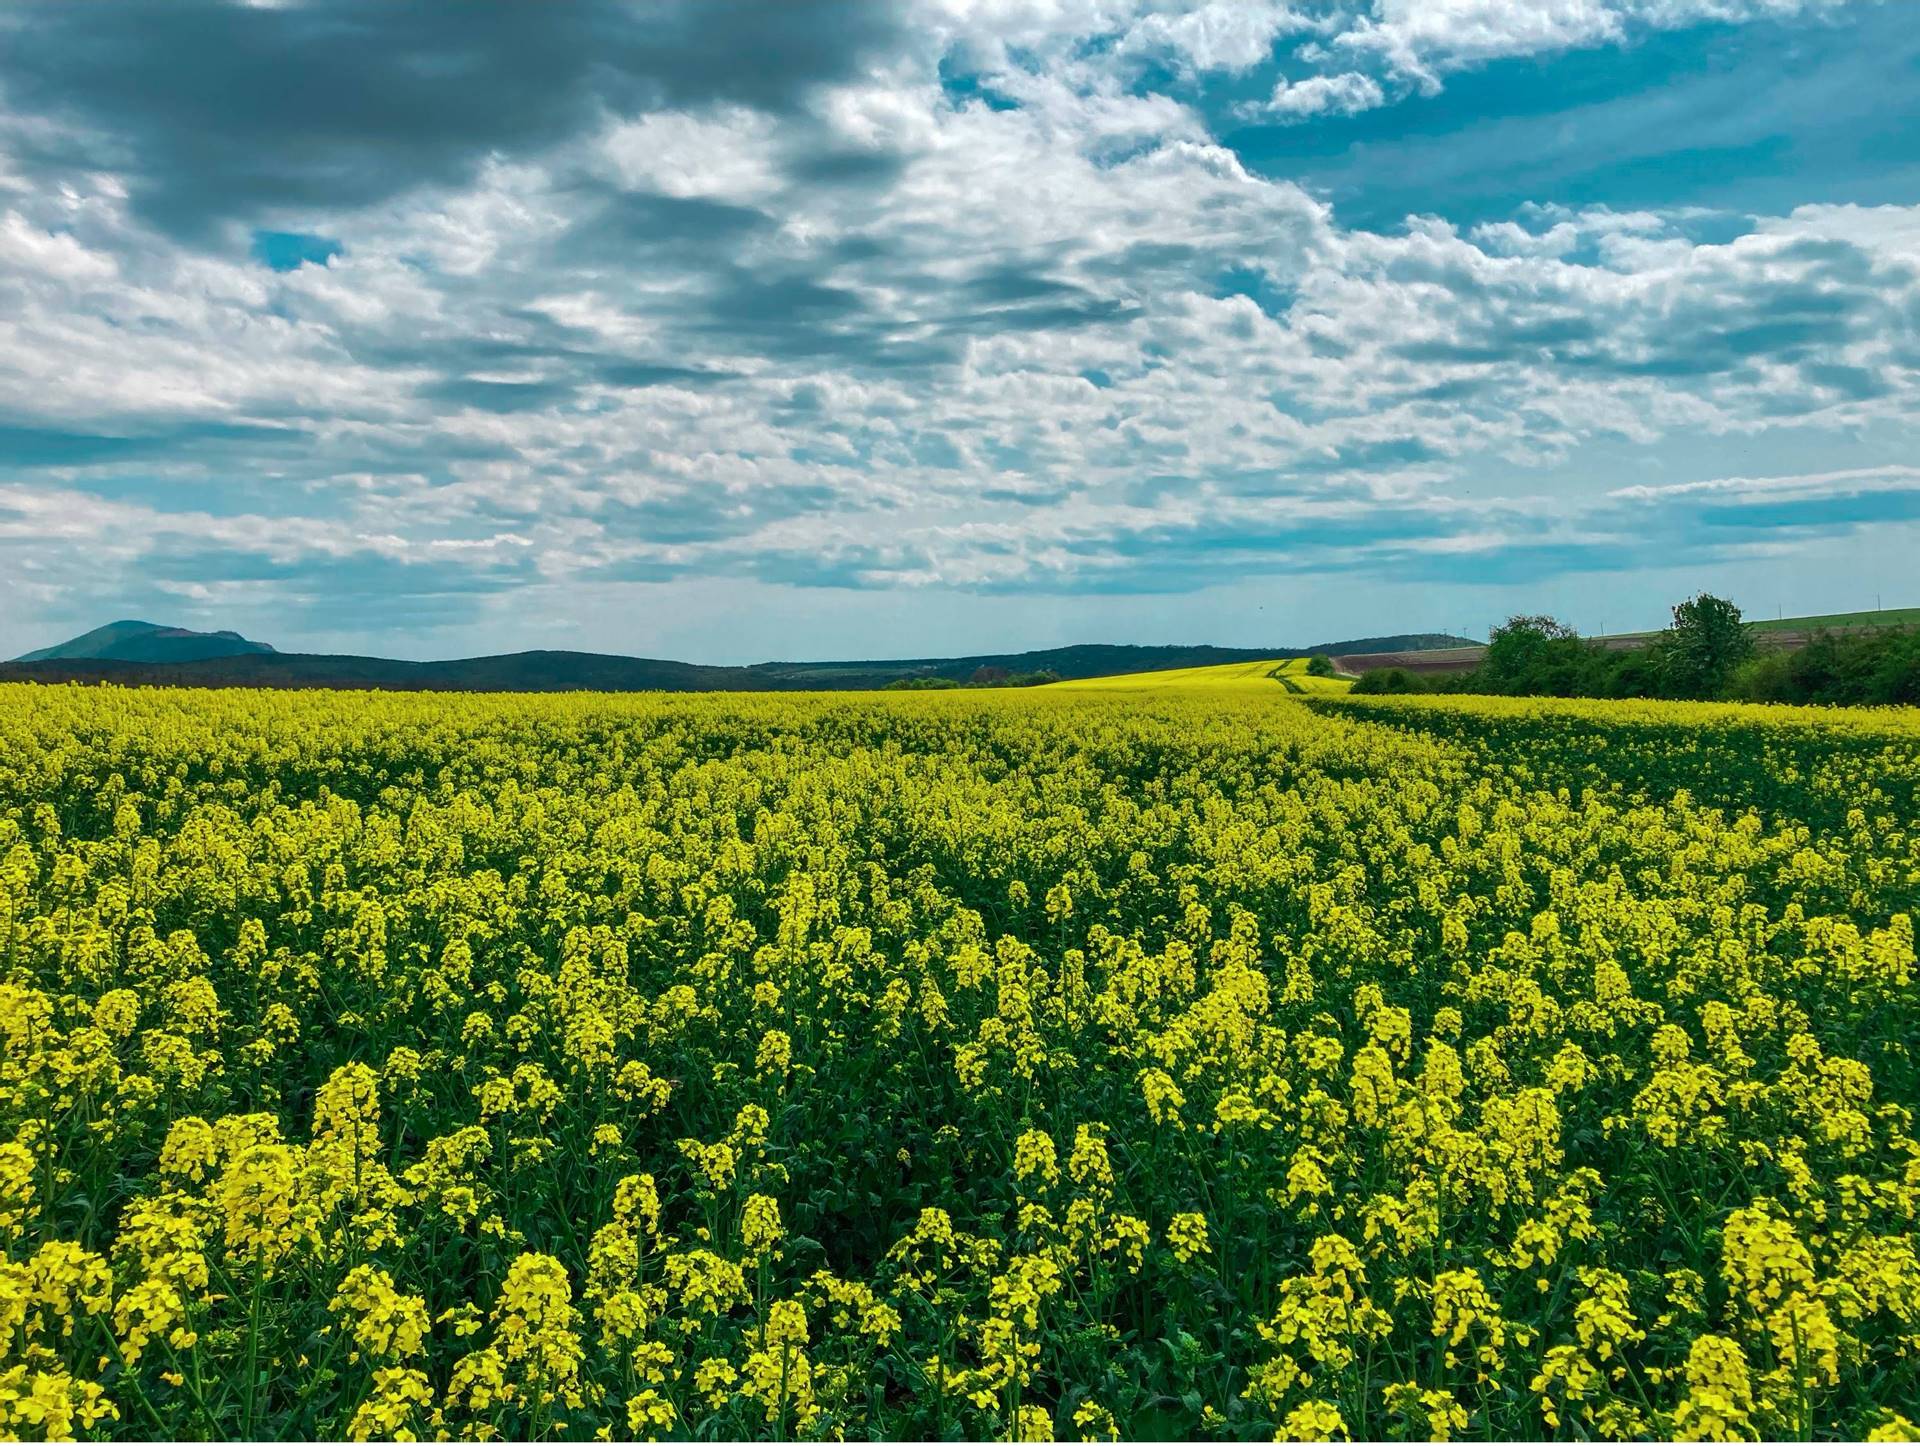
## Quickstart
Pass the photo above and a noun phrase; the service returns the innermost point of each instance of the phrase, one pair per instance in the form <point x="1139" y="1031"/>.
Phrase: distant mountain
<point x="541" y="672"/>
<point x="104" y="656"/>
<point x="136" y="642"/>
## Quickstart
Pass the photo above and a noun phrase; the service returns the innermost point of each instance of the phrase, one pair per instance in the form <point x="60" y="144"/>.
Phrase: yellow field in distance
<point x="1285" y="675"/>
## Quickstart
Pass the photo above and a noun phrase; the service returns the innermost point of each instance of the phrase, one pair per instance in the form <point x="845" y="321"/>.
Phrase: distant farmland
<point x="1290" y="674"/>
<point x="1787" y="633"/>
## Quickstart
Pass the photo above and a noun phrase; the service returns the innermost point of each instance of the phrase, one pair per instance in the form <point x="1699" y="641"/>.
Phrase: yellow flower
<point x="265" y="1218"/>
<point x="49" y="1404"/>
<point x="1095" y="1422"/>
<point x="1163" y="1097"/>
<point x="714" y="1379"/>
<point x="390" y="1410"/>
<point x="192" y="1149"/>
<point x="759" y="1225"/>
<point x="1719" y="1402"/>
<point x="1031" y="1423"/>
<point x="17" y="1188"/>
<point x="706" y="1284"/>
<point x="774" y="1056"/>
<point x="1313" y="1421"/>
<point x="1187" y="1235"/>
<point x="1434" y="1414"/>
<point x="384" y="1323"/>
<point x="649" y="1414"/>
<point x="1762" y="1259"/>
<point x="536" y="1355"/>
<point x="1034" y="1158"/>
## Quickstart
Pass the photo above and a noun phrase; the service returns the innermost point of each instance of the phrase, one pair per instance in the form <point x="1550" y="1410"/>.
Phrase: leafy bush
<point x="1766" y="677"/>
<point x="1876" y="667"/>
<point x="1389" y="680"/>
<point x="991" y="676"/>
<point x="1708" y="653"/>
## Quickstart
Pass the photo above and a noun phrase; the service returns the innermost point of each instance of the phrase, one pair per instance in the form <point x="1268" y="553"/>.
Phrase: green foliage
<point x="1389" y="680"/>
<point x="1766" y="677"/>
<point x="1708" y="653"/>
<point x="1706" y="643"/>
<point x="1633" y="673"/>
<point x="989" y="1065"/>
<point x="1320" y="665"/>
<point x="1539" y="655"/>
<point x="1875" y="668"/>
<point x="992" y="677"/>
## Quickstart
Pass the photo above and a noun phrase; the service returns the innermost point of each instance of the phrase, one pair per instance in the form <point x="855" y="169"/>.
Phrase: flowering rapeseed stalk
<point x="1010" y="1065"/>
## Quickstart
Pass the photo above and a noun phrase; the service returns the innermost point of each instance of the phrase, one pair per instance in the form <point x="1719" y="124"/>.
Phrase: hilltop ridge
<point x="180" y="657"/>
<point x="133" y="641"/>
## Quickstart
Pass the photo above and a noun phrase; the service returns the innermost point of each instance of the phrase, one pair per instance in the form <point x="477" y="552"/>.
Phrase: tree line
<point x="1709" y="652"/>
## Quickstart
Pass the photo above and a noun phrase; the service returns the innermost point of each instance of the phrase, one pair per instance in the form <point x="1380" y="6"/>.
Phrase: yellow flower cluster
<point x="1085" y="1065"/>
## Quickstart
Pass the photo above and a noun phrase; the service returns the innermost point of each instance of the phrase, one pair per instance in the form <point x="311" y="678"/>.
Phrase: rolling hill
<point x="254" y="665"/>
<point x="1839" y="622"/>
<point x="130" y="641"/>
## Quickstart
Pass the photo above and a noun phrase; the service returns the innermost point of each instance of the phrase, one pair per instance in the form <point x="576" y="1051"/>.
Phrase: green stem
<point x="253" y="1345"/>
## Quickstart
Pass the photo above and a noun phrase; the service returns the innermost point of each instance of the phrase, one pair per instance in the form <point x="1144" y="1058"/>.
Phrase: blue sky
<point x="734" y="332"/>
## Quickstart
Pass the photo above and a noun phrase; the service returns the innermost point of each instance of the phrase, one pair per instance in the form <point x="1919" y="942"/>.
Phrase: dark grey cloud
<point x="624" y="230"/>
<point x="807" y="308"/>
<point x="492" y="396"/>
<point x="1825" y="514"/>
<point x="31" y="447"/>
<point x="219" y="111"/>
<point x="636" y="375"/>
<point x="684" y="515"/>
<point x="1857" y="384"/>
<point x="563" y="359"/>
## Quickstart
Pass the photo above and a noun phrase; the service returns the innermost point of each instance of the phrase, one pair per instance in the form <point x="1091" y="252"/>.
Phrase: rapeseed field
<point x="1282" y="675"/>
<point x="1224" y="1063"/>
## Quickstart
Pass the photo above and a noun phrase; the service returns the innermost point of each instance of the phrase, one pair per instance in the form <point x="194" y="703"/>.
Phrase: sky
<point x="738" y="331"/>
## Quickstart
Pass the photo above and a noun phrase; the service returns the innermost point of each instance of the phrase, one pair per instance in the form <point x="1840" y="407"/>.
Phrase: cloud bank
<point x="386" y="323"/>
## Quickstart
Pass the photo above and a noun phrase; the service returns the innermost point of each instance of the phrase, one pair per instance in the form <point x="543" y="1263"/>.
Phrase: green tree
<point x="1706" y="643"/>
<point x="1537" y="654"/>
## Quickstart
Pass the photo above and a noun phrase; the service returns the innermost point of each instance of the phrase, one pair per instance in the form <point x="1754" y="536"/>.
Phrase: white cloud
<point x="1807" y="484"/>
<point x="1229" y="35"/>
<point x="1423" y="39"/>
<point x="1343" y="94"/>
<point x="994" y="353"/>
<point x="25" y="248"/>
<point x="727" y="156"/>
<point x="1416" y="36"/>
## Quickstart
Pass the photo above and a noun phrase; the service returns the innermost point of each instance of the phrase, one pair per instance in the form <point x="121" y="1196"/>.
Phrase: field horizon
<point x="146" y="653"/>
